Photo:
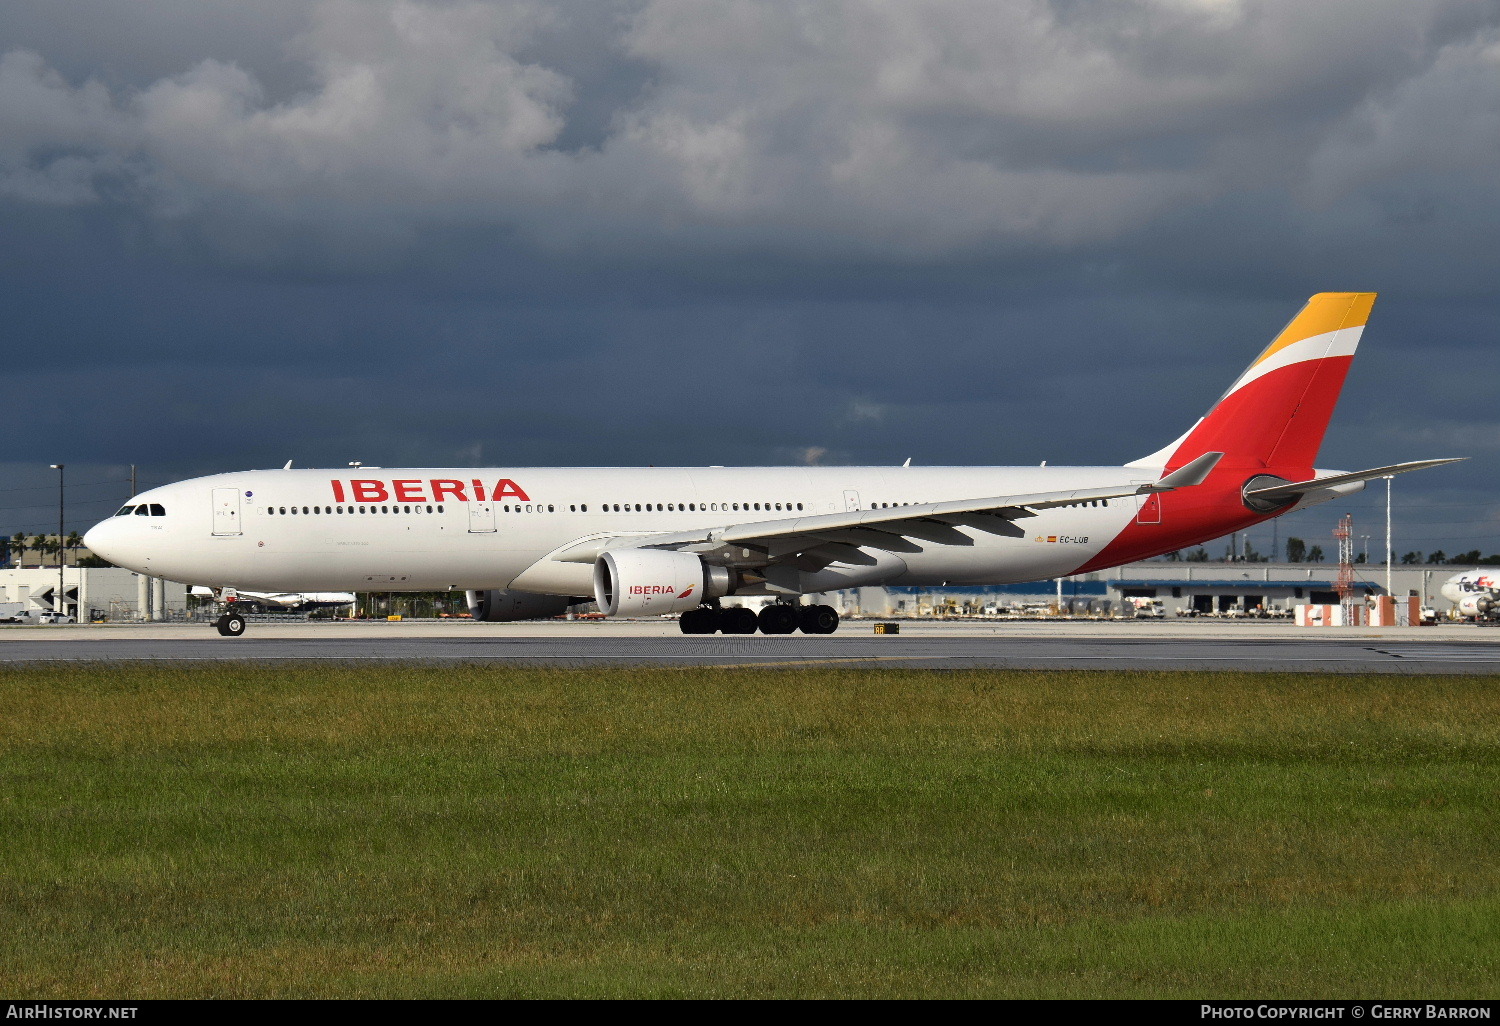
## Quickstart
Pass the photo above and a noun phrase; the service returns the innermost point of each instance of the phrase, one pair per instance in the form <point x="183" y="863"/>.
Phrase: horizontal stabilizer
<point x="1293" y="489"/>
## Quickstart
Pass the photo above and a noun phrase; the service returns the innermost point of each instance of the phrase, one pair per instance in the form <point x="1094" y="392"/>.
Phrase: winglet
<point x="1187" y="475"/>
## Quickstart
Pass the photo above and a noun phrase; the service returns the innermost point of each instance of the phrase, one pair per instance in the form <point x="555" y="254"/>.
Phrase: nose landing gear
<point x="231" y="622"/>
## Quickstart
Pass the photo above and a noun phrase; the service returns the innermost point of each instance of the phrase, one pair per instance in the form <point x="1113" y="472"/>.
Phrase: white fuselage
<point x="434" y="529"/>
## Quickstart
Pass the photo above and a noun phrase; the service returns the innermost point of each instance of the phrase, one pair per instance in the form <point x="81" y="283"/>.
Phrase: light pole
<point x="61" y="605"/>
<point x="1388" y="552"/>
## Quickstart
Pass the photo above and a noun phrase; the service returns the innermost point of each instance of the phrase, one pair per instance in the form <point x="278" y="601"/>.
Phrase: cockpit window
<point x="158" y="510"/>
<point x="143" y="510"/>
<point x="125" y="511"/>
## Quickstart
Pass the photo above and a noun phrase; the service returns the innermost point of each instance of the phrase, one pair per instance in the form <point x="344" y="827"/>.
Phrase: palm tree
<point x="75" y="542"/>
<point x="18" y="548"/>
<point x="40" y="543"/>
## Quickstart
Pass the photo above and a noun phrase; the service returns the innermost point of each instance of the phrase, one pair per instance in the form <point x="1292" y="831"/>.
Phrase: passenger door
<point x="226" y="512"/>
<point x="1147" y="507"/>
<point x="481" y="518"/>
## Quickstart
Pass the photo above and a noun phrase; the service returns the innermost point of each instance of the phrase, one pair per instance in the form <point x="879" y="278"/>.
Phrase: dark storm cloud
<point x="686" y="232"/>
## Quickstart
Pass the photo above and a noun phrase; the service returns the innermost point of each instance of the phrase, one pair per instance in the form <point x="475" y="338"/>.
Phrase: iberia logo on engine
<point x="652" y="589"/>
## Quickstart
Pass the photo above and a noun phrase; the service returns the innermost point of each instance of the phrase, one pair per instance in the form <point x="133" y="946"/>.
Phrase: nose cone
<point x="109" y="539"/>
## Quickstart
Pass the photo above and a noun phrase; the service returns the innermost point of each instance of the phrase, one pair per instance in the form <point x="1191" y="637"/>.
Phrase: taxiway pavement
<point x="1139" y="645"/>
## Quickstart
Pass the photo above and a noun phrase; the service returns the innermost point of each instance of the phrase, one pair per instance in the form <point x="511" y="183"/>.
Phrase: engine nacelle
<point x="1475" y="605"/>
<point x="496" y="606"/>
<point x="653" y="582"/>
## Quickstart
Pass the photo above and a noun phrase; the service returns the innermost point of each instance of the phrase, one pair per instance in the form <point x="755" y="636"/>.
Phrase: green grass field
<point x="363" y="830"/>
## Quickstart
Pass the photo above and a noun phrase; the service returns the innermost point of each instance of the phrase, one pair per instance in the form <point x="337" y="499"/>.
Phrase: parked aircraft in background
<point x="526" y="543"/>
<point x="1475" y="593"/>
<point x="286" y="601"/>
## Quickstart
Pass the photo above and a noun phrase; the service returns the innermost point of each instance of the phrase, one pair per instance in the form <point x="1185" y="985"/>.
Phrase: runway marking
<point x="815" y="662"/>
<point x="1445" y="655"/>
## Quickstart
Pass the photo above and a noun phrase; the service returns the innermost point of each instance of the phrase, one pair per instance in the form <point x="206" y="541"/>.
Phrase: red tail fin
<point x="1275" y="414"/>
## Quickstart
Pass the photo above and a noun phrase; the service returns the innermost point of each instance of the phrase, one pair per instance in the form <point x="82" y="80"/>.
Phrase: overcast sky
<point x="710" y="231"/>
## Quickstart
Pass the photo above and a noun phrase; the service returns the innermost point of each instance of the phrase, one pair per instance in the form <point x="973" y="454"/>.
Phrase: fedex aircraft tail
<point x="1275" y="414"/>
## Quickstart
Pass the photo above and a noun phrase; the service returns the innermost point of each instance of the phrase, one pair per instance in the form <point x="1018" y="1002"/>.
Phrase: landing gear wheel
<point x="778" y="619"/>
<point x="818" y="619"/>
<point x="231" y="625"/>
<point x="738" y="620"/>
<point x="703" y="620"/>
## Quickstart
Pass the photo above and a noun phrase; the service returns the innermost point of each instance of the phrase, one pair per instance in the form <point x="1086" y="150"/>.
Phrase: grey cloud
<point x="913" y="130"/>
<point x="720" y="232"/>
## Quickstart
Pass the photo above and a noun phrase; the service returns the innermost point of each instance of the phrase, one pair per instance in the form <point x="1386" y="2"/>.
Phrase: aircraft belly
<point x="283" y="562"/>
<point x="551" y="577"/>
<point x="1053" y="546"/>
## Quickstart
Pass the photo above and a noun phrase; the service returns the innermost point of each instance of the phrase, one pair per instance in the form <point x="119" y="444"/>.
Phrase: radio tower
<point x="1344" y="585"/>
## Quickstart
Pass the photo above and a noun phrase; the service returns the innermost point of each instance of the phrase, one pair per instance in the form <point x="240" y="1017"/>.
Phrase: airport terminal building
<point x="1181" y="588"/>
<point x="90" y="593"/>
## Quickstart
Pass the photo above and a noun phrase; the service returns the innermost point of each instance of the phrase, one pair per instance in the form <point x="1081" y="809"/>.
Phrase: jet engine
<point x="1476" y="605"/>
<point x="651" y="582"/>
<point x="497" y="606"/>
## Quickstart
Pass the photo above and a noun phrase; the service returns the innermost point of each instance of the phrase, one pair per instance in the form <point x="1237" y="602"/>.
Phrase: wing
<point x="813" y="542"/>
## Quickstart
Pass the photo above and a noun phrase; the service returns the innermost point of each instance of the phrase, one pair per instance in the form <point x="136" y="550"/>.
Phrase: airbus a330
<point x="525" y="543"/>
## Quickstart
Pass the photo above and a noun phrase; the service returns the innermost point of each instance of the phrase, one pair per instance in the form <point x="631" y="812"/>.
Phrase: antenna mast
<point x="1344" y="585"/>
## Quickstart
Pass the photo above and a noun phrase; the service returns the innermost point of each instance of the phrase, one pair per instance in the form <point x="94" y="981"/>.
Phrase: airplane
<point x="1475" y="593"/>
<point x="527" y="543"/>
<point x="282" y="600"/>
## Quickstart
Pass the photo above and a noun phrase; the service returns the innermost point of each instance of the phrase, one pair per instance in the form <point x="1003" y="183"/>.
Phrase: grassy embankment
<point x="237" y="830"/>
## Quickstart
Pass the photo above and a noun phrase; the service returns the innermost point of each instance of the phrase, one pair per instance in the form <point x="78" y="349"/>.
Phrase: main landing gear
<point x="779" y="618"/>
<point x="231" y="624"/>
